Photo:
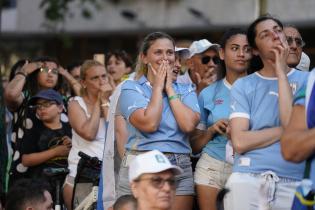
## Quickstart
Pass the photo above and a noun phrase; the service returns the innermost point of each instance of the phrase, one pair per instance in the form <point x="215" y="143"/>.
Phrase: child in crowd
<point x="48" y="143"/>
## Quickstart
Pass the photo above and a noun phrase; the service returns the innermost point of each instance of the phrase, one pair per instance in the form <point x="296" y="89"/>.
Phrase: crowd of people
<point x="243" y="107"/>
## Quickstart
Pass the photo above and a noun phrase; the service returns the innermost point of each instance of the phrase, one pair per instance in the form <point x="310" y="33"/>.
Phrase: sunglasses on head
<point x="158" y="182"/>
<point x="298" y="41"/>
<point x="206" y="59"/>
<point x="48" y="70"/>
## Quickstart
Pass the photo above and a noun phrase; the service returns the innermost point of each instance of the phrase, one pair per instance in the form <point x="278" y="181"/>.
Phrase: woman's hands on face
<point x="105" y="92"/>
<point x="159" y="75"/>
<point x="281" y="53"/>
<point x="169" y="79"/>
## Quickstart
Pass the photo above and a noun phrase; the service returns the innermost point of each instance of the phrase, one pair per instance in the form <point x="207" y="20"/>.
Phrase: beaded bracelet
<point x="173" y="97"/>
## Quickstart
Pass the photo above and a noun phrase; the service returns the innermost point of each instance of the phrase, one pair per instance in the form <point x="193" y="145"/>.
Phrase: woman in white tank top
<point x="87" y="115"/>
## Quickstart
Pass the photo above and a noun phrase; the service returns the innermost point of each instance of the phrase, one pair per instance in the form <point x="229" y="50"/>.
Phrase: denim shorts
<point x="185" y="180"/>
<point x="212" y="172"/>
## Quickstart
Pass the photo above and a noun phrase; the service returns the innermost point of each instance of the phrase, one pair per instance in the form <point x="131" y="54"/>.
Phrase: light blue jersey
<point x="306" y="98"/>
<point x="256" y="98"/>
<point x="214" y="102"/>
<point x="168" y="138"/>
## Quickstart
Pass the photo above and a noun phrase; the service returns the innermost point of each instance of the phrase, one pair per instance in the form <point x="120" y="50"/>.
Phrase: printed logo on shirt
<point x="218" y="101"/>
<point x="273" y="93"/>
<point x="293" y="86"/>
<point x="233" y="105"/>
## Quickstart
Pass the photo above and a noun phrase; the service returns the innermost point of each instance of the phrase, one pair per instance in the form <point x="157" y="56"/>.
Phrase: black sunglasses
<point x="206" y="59"/>
<point x="298" y="41"/>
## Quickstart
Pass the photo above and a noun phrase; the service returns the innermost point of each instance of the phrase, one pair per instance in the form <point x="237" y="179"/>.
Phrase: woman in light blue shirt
<point x="211" y="135"/>
<point x="261" y="105"/>
<point x="160" y="114"/>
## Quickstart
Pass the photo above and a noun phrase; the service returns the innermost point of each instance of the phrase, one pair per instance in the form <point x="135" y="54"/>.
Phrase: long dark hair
<point x="224" y="39"/>
<point x="32" y="84"/>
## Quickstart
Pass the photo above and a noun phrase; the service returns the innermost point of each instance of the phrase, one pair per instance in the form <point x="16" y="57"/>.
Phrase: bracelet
<point x="21" y="73"/>
<point x="105" y="104"/>
<point x="173" y="97"/>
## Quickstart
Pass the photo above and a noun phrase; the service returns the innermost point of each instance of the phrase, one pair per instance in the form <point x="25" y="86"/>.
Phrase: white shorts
<point x="212" y="172"/>
<point x="249" y="191"/>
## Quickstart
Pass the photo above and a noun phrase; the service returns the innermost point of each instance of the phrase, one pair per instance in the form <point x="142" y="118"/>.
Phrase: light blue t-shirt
<point x="256" y="98"/>
<point x="168" y="138"/>
<point x="214" y="102"/>
<point x="303" y="97"/>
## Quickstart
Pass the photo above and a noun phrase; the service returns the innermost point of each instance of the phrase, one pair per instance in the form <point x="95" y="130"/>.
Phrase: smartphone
<point x="100" y="58"/>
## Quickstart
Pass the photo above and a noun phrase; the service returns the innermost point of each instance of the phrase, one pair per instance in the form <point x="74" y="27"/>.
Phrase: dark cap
<point x="49" y="95"/>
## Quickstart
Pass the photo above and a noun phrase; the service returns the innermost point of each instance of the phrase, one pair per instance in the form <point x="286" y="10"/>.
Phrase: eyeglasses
<point x="44" y="105"/>
<point x="48" y="70"/>
<point x="206" y="59"/>
<point x="298" y="41"/>
<point x="158" y="182"/>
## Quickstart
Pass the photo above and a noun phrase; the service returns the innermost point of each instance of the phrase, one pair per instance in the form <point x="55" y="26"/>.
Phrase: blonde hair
<point x="142" y="68"/>
<point x="88" y="64"/>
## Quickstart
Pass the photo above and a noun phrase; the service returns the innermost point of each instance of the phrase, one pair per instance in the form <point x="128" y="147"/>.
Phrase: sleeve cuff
<point x="239" y="114"/>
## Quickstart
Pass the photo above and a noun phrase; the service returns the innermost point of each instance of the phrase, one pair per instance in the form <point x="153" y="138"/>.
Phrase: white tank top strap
<point x="82" y="104"/>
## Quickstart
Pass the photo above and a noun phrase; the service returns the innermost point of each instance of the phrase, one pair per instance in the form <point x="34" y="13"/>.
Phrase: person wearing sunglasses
<point x="153" y="181"/>
<point x="203" y="63"/>
<point x="211" y="135"/>
<point x="260" y="109"/>
<point x="296" y="45"/>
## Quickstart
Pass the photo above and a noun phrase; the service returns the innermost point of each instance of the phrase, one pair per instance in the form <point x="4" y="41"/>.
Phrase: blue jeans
<point x="185" y="180"/>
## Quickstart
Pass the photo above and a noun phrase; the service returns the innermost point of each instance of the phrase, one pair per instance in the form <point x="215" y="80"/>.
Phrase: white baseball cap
<point x="201" y="46"/>
<point x="151" y="162"/>
<point x="182" y="51"/>
<point x="305" y="62"/>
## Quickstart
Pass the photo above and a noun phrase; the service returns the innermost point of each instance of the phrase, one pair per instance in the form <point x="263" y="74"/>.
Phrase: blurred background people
<point x="118" y="65"/>
<point x="296" y="45"/>
<point x="125" y="202"/>
<point x="75" y="85"/>
<point x="28" y="194"/>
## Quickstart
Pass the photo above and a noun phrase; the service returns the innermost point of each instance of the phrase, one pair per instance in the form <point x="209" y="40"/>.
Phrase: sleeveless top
<point x="92" y="148"/>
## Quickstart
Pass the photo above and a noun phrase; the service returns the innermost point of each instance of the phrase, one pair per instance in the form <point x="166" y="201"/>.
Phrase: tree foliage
<point x="56" y="11"/>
